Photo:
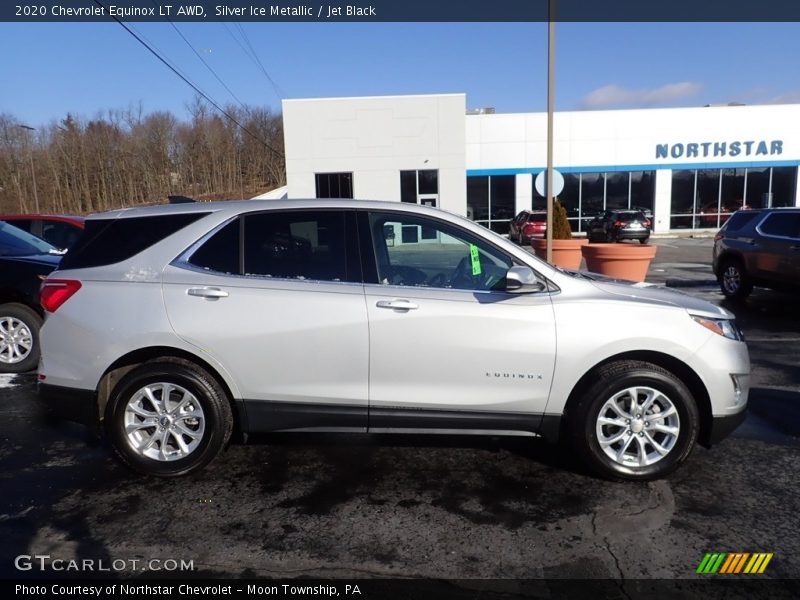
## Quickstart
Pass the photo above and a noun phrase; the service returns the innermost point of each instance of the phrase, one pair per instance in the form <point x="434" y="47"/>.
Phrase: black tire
<point x="214" y="402"/>
<point x="582" y="419"/>
<point x="644" y="240"/>
<point x="33" y="323"/>
<point x="733" y="280"/>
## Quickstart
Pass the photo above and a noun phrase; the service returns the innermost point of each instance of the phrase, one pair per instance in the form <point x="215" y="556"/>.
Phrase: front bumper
<point x="723" y="426"/>
<point x="71" y="404"/>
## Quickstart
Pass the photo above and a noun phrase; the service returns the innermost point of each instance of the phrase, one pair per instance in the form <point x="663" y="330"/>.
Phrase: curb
<point x="685" y="283"/>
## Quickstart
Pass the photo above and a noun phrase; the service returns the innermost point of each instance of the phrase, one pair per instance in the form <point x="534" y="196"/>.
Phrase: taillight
<point x="646" y="222"/>
<point x="618" y="224"/>
<point x="55" y="292"/>
<point x="718" y="237"/>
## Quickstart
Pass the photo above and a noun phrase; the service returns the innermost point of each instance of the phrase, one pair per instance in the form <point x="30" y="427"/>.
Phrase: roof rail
<point x="180" y="199"/>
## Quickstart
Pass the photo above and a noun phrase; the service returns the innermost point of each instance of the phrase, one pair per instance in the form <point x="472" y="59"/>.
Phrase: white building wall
<point x="628" y="138"/>
<point x="662" y="201"/>
<point x="376" y="138"/>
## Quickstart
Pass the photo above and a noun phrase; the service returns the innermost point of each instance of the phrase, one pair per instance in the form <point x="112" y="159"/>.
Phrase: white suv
<point x="170" y="326"/>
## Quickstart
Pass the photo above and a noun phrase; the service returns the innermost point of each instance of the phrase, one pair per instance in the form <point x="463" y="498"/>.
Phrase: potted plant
<point x="566" y="249"/>
<point x="619" y="260"/>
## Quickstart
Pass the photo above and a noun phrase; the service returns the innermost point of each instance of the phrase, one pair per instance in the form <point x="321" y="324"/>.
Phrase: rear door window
<point x="220" y="252"/>
<point x="740" y="219"/>
<point x="297" y="245"/>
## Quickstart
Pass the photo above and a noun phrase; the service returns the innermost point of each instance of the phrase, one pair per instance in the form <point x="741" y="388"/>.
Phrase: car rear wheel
<point x="733" y="280"/>
<point x="636" y="422"/>
<point x="168" y="418"/>
<point x="644" y="240"/>
<point x="19" y="338"/>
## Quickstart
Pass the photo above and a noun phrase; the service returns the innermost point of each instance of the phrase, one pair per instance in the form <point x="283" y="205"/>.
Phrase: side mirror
<point x="522" y="280"/>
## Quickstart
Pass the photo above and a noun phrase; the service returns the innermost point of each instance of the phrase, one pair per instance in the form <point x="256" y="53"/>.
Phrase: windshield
<point x="15" y="242"/>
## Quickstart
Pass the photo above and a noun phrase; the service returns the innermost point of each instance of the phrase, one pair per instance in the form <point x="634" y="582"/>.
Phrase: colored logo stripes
<point x="734" y="563"/>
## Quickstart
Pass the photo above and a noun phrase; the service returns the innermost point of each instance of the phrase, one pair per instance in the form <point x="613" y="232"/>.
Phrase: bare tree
<point x="126" y="157"/>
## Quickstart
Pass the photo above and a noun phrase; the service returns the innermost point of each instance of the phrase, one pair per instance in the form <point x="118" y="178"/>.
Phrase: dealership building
<point x="691" y="167"/>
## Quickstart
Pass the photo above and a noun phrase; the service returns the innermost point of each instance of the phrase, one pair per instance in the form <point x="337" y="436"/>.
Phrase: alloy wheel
<point x="731" y="279"/>
<point x="16" y="340"/>
<point x="164" y="421"/>
<point x="637" y="426"/>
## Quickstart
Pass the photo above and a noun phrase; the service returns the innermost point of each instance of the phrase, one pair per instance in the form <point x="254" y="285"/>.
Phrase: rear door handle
<point x="397" y="304"/>
<point x="208" y="293"/>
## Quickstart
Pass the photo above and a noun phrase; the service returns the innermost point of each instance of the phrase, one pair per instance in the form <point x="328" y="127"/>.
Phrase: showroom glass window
<point x="705" y="198"/>
<point x="491" y="200"/>
<point x="334" y="185"/>
<point x="449" y="258"/>
<point x="586" y="195"/>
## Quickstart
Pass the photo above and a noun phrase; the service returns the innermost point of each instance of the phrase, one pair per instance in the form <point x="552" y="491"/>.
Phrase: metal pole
<point x="551" y="56"/>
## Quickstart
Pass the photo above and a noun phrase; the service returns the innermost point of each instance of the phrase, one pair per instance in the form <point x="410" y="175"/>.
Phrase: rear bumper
<point x="71" y="404"/>
<point x="723" y="426"/>
<point x="637" y="234"/>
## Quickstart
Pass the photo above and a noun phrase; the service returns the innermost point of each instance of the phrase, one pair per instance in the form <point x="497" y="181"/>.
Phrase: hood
<point x="655" y="294"/>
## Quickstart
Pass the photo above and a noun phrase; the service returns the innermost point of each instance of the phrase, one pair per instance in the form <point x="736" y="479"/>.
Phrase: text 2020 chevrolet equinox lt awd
<point x="169" y="326"/>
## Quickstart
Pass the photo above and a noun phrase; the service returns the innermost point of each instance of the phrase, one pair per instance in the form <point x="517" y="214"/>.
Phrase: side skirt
<point x="265" y="416"/>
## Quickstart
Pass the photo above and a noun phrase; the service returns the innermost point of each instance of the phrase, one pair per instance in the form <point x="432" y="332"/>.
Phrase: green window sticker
<point x="475" y="258"/>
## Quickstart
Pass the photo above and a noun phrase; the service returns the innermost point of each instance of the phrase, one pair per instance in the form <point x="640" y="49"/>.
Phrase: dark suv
<point x="758" y="247"/>
<point x="25" y="261"/>
<point x="616" y="225"/>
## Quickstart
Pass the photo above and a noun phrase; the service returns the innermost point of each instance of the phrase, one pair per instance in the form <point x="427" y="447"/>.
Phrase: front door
<point x="447" y="343"/>
<point x="778" y="256"/>
<point x="286" y="318"/>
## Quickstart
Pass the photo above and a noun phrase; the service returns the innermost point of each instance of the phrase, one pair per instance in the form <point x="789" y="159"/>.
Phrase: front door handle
<point x="397" y="304"/>
<point x="207" y="293"/>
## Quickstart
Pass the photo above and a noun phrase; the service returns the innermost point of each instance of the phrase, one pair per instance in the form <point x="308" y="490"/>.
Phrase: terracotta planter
<point x="620" y="261"/>
<point x="566" y="253"/>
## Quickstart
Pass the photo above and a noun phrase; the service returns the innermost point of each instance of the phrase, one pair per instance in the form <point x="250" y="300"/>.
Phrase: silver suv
<point x="169" y="327"/>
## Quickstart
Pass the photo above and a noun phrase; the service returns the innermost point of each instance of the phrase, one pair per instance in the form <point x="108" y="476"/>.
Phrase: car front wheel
<point x="19" y="338"/>
<point x="168" y="418"/>
<point x="636" y="422"/>
<point x="733" y="280"/>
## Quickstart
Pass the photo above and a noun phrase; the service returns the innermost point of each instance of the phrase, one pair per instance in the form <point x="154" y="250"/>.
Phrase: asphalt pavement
<point x="333" y="506"/>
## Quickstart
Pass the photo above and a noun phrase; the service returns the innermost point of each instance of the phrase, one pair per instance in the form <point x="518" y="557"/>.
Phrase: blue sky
<point x="51" y="69"/>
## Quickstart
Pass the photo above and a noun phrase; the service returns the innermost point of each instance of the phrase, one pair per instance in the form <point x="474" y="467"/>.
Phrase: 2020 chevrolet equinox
<point x="169" y="326"/>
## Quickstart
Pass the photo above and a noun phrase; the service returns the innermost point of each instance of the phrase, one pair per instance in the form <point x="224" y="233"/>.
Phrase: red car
<point x="528" y="225"/>
<point x="60" y="231"/>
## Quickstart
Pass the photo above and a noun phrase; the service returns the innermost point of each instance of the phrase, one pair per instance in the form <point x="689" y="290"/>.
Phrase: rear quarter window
<point x="109" y="241"/>
<point x="781" y="224"/>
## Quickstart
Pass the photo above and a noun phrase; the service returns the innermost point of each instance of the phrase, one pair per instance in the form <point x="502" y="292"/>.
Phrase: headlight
<point x="724" y="327"/>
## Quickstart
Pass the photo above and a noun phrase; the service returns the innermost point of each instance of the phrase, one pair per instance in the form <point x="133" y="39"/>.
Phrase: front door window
<point x="415" y="251"/>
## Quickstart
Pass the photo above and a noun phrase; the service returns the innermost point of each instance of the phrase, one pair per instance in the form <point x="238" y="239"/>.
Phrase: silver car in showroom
<point x="167" y="327"/>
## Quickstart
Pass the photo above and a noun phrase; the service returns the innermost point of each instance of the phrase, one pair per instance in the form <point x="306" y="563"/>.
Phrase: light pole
<point x="551" y="56"/>
<point x="33" y="171"/>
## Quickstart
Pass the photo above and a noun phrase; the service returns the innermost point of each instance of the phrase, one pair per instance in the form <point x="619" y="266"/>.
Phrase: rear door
<point x="448" y="346"/>
<point x="778" y="247"/>
<point x="277" y="299"/>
